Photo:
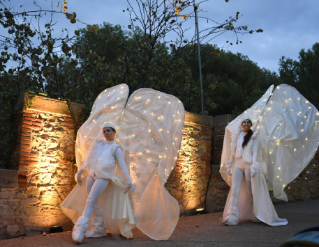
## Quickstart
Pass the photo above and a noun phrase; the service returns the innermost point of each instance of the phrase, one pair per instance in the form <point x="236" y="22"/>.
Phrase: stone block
<point x="13" y="230"/>
<point x="199" y="119"/>
<point x="50" y="197"/>
<point x="29" y="210"/>
<point x="7" y="194"/>
<point x="30" y="201"/>
<point x="48" y="105"/>
<point x="8" y="178"/>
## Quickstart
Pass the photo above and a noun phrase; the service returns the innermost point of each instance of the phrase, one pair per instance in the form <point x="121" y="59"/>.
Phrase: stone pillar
<point x="44" y="159"/>
<point x="188" y="181"/>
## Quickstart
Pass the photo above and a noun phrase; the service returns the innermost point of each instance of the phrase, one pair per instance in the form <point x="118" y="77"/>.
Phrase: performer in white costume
<point x="244" y="150"/>
<point x="100" y="167"/>
<point x="148" y="128"/>
<point x="286" y="141"/>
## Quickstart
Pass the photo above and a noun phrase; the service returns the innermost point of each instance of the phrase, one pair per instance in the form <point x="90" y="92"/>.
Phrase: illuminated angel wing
<point x="233" y="128"/>
<point x="288" y="136"/>
<point x="150" y="132"/>
<point x="108" y="107"/>
<point x="288" y="139"/>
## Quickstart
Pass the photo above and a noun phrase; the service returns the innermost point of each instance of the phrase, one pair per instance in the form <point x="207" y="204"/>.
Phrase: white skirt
<point x="115" y="207"/>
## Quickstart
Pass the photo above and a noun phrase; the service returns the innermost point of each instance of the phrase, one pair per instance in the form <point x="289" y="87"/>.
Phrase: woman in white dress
<point x="287" y="141"/>
<point x="99" y="168"/>
<point x="248" y="199"/>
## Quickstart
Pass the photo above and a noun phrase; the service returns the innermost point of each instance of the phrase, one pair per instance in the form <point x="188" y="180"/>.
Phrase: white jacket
<point x="101" y="161"/>
<point x="249" y="152"/>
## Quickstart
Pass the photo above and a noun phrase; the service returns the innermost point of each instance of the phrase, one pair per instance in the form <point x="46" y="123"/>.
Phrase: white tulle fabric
<point x="289" y="137"/>
<point x="288" y="140"/>
<point x="149" y="130"/>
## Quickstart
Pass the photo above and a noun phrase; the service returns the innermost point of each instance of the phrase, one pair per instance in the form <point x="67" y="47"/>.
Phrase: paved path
<point x="199" y="230"/>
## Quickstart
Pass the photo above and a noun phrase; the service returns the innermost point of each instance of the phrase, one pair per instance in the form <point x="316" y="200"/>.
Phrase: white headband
<point x="109" y="125"/>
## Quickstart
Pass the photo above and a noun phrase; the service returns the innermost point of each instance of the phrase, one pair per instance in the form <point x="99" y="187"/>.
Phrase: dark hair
<point x="247" y="137"/>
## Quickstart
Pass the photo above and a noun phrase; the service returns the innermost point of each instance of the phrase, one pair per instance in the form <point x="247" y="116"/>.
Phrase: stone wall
<point x="218" y="188"/>
<point x="44" y="160"/>
<point x="188" y="181"/>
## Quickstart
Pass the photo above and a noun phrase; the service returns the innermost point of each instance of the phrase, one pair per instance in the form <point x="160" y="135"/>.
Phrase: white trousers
<point x="241" y="170"/>
<point x="94" y="188"/>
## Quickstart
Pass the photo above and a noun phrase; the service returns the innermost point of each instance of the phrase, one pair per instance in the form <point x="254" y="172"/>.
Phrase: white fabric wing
<point x="234" y="127"/>
<point x="150" y="132"/>
<point x="288" y="136"/>
<point x="108" y="107"/>
<point x="288" y="139"/>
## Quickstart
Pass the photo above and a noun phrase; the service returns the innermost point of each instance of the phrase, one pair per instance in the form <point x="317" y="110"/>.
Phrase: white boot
<point x="98" y="230"/>
<point x="233" y="217"/>
<point x="79" y="229"/>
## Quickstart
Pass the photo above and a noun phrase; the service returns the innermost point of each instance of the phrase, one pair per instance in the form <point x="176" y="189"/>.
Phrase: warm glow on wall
<point x="46" y="161"/>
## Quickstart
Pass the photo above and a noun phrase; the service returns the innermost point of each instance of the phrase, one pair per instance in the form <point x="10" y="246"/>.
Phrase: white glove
<point x="229" y="163"/>
<point x="253" y="169"/>
<point x="78" y="177"/>
<point x="130" y="187"/>
<point x="229" y="171"/>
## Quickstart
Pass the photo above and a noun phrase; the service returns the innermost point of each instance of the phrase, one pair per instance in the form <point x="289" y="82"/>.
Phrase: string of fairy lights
<point x="142" y="112"/>
<point x="301" y="115"/>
